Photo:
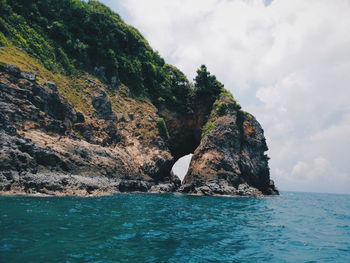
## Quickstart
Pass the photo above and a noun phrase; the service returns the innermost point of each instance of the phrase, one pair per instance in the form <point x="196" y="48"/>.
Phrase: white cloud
<point x="288" y="63"/>
<point x="300" y="169"/>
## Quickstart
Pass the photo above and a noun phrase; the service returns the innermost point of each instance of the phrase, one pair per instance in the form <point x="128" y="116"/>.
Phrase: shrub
<point x="162" y="128"/>
<point x="207" y="87"/>
<point x="71" y="36"/>
<point x="226" y="93"/>
<point x="221" y="108"/>
<point x="207" y="128"/>
<point x="3" y="40"/>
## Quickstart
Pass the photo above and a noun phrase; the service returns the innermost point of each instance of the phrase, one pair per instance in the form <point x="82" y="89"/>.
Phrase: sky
<point x="286" y="61"/>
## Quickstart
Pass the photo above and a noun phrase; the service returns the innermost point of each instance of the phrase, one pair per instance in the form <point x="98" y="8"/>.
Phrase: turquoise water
<point x="293" y="227"/>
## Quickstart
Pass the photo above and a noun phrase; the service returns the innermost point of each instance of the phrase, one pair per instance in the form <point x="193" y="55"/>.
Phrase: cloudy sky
<point x="286" y="61"/>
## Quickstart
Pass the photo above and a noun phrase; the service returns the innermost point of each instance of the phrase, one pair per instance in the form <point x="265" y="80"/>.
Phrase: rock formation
<point x="87" y="107"/>
<point x="46" y="146"/>
<point x="230" y="159"/>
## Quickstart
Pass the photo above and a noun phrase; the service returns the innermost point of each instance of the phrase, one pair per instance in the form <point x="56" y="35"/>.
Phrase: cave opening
<point x="181" y="166"/>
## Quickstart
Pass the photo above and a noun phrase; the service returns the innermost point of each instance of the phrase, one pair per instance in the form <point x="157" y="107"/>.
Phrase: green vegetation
<point x="221" y="108"/>
<point x="163" y="130"/>
<point x="207" y="87"/>
<point x="69" y="38"/>
<point x="208" y="127"/>
<point x="225" y="94"/>
<point x="248" y="115"/>
<point x="209" y="90"/>
<point x="3" y="40"/>
<point x="70" y="87"/>
<point x="178" y="92"/>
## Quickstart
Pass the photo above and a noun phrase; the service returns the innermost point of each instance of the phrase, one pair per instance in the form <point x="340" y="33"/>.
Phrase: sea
<point x="292" y="227"/>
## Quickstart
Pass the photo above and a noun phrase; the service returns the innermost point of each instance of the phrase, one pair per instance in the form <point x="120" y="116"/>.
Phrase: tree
<point x="206" y="85"/>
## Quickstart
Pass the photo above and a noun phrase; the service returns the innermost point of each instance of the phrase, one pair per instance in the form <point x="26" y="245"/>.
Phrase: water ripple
<point x="293" y="227"/>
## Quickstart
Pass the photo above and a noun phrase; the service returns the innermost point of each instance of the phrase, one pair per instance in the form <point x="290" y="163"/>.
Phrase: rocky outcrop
<point x="42" y="135"/>
<point x="68" y="184"/>
<point x="230" y="159"/>
<point x="102" y="105"/>
<point x="49" y="147"/>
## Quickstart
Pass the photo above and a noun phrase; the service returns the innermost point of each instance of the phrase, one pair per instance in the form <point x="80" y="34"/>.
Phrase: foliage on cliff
<point x="70" y="36"/>
<point x="83" y="93"/>
<point x="163" y="130"/>
<point x="74" y="36"/>
<point x="207" y="86"/>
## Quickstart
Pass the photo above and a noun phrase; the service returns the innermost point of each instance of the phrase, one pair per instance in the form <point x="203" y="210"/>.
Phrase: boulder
<point x="28" y="75"/>
<point x="134" y="186"/>
<point x="102" y="105"/>
<point x="51" y="85"/>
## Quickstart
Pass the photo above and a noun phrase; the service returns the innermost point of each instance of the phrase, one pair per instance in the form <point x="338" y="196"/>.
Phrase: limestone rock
<point x="102" y="105"/>
<point x="14" y="70"/>
<point x="49" y="147"/>
<point x="28" y="75"/>
<point x="11" y="69"/>
<point x="231" y="155"/>
<point x="52" y="86"/>
<point x="43" y="137"/>
<point x="134" y="186"/>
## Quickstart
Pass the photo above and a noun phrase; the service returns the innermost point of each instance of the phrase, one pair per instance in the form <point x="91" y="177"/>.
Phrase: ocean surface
<point x="292" y="227"/>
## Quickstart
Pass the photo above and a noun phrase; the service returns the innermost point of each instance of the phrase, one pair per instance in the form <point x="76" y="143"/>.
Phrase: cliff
<point x="105" y="114"/>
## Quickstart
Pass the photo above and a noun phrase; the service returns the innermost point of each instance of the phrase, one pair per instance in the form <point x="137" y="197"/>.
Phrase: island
<point x="87" y="107"/>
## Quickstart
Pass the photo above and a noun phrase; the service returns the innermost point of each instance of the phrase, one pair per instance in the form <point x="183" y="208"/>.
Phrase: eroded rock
<point x="230" y="159"/>
<point x="103" y="106"/>
<point x="48" y="147"/>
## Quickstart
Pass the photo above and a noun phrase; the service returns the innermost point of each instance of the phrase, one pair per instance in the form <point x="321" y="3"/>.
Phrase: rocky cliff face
<point x="87" y="107"/>
<point x="43" y="140"/>
<point x="230" y="159"/>
<point x="47" y="146"/>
